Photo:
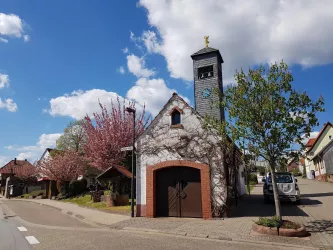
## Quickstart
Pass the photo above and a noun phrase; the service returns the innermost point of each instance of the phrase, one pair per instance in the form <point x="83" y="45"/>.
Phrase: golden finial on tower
<point x="206" y="40"/>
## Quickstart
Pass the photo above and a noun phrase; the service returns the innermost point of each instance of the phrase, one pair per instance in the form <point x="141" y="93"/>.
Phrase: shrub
<point x="274" y="222"/>
<point x="77" y="187"/>
<point x="296" y="172"/>
<point x="261" y="170"/>
<point x="253" y="179"/>
<point x="268" y="222"/>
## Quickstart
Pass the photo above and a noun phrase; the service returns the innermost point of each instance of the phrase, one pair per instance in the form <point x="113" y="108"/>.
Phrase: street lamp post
<point x="131" y="110"/>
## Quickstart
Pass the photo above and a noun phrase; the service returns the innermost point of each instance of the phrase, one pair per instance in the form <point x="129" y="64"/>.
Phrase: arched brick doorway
<point x="194" y="169"/>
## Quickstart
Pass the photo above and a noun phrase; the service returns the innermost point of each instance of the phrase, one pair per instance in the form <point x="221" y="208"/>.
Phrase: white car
<point x="287" y="187"/>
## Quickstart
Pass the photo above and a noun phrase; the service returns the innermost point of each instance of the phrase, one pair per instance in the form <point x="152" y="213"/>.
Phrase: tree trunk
<point x="59" y="186"/>
<point x="276" y="193"/>
<point x="248" y="181"/>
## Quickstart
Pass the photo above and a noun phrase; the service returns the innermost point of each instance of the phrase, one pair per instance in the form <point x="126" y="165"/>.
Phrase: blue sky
<point x="57" y="58"/>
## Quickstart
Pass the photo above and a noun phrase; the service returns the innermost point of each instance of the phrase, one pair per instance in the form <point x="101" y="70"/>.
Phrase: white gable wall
<point x="162" y="143"/>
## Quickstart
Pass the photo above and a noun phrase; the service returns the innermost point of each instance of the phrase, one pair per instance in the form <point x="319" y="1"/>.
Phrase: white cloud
<point x="30" y="156"/>
<point x="4" y="160"/>
<point x="136" y="66"/>
<point x="136" y="41"/>
<point x="247" y="33"/>
<point x="8" y="104"/>
<point x="125" y="50"/>
<point x="121" y="70"/>
<point x="11" y="26"/>
<point x="132" y="36"/>
<point x="151" y="41"/>
<point x="34" y="152"/>
<point x="79" y="103"/>
<point x="3" y="40"/>
<point x="26" y="38"/>
<point x="4" y="81"/>
<point x="312" y="135"/>
<point x="151" y="92"/>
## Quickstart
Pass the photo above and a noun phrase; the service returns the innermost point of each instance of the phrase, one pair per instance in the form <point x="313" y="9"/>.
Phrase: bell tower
<point x="207" y="73"/>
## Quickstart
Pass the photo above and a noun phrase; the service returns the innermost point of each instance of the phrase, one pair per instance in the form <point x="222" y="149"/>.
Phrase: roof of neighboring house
<point x="319" y="135"/>
<point x="298" y="160"/>
<point x="311" y="142"/>
<point x="114" y="171"/>
<point x="43" y="179"/>
<point x="16" y="165"/>
<point x="46" y="150"/>
<point x="207" y="50"/>
<point x="49" y="150"/>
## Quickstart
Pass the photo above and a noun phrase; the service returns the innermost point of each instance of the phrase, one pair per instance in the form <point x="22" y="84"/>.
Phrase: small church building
<point x="183" y="168"/>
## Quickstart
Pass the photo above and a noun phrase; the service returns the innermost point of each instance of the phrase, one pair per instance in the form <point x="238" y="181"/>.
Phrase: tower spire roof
<point x="206" y="51"/>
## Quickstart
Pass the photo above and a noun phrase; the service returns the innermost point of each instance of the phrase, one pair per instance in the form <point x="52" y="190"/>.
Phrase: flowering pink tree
<point x="63" y="167"/>
<point x="112" y="131"/>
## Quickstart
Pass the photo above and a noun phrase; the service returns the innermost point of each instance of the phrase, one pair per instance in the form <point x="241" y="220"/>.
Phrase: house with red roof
<point x="319" y="153"/>
<point x="17" y="170"/>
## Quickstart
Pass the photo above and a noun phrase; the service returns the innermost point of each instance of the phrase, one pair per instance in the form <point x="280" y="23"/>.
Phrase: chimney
<point x="15" y="161"/>
<point x="25" y="160"/>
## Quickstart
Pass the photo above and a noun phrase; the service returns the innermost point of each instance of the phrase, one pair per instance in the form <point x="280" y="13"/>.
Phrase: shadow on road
<point x="308" y="202"/>
<point x="253" y="206"/>
<point x="317" y="195"/>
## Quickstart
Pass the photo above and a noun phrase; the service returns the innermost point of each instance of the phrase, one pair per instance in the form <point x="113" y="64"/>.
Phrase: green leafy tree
<point x="73" y="137"/>
<point x="283" y="164"/>
<point x="266" y="116"/>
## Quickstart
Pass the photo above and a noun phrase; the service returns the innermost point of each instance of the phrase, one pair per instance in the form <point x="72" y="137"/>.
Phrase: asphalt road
<point x="55" y="230"/>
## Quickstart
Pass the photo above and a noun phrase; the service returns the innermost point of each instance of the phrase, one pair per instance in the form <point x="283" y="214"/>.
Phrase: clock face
<point x="206" y="93"/>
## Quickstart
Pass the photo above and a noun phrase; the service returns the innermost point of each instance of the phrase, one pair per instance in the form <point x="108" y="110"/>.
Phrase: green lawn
<point x="87" y="202"/>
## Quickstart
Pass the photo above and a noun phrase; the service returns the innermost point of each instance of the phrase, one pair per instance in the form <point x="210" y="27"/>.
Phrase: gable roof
<point x="49" y="150"/>
<point x="320" y="134"/>
<point x="310" y="142"/>
<point x="122" y="170"/>
<point x="46" y="150"/>
<point x="16" y="165"/>
<point x="207" y="50"/>
<point x="159" y="115"/>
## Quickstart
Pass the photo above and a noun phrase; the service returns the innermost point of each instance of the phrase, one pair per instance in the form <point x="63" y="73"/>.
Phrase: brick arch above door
<point x="151" y="185"/>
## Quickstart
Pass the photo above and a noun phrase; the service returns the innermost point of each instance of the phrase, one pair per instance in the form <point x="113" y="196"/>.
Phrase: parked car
<point x="287" y="187"/>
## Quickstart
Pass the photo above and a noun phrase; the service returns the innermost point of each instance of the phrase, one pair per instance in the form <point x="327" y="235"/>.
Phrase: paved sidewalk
<point x="92" y="215"/>
<point x="314" y="214"/>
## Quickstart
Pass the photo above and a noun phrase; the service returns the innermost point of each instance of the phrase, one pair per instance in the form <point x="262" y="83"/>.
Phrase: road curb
<point x="69" y="213"/>
<point x="211" y="237"/>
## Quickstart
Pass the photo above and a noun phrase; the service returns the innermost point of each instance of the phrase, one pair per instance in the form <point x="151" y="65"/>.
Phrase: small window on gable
<point x="205" y="72"/>
<point x="175" y="117"/>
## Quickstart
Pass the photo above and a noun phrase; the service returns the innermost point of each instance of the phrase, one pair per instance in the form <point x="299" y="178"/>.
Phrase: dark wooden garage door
<point x="178" y="192"/>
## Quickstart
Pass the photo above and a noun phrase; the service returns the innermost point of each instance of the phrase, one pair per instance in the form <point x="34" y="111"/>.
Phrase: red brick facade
<point x="150" y="208"/>
<point x="140" y="210"/>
